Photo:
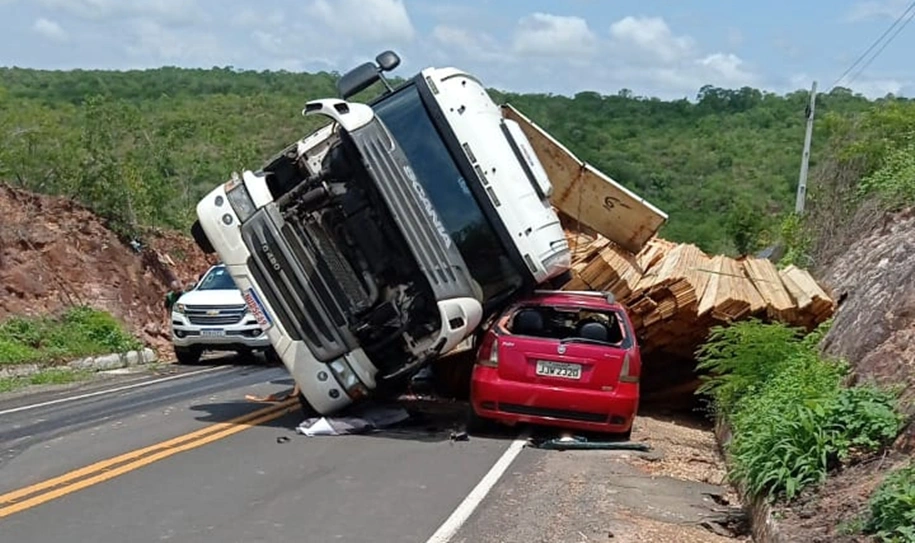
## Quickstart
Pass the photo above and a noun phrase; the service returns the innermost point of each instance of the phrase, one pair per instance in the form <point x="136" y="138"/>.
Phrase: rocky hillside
<point x="55" y="253"/>
<point x="874" y="328"/>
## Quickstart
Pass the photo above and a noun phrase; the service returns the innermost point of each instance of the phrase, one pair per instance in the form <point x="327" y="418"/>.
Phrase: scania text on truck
<point x="381" y="240"/>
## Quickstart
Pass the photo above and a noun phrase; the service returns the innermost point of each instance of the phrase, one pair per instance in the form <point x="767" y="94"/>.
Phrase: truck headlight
<point x="347" y="378"/>
<point x="241" y="202"/>
<point x="179" y="308"/>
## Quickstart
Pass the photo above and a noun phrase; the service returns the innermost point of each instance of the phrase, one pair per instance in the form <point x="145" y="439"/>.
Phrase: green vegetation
<point x="142" y="147"/>
<point x="793" y="420"/>
<point x="892" y="508"/>
<point x="80" y="331"/>
<point x="52" y="376"/>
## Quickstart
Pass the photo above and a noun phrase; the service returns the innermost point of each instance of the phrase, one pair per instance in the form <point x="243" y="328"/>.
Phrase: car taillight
<point x="492" y="360"/>
<point x="626" y="373"/>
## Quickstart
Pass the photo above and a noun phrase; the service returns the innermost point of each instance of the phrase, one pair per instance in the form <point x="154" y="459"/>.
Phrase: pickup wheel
<point x="188" y="355"/>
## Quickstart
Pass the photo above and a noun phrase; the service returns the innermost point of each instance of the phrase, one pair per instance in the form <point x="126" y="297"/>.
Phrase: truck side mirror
<point x="387" y="61"/>
<point x="363" y="76"/>
<point x="357" y="80"/>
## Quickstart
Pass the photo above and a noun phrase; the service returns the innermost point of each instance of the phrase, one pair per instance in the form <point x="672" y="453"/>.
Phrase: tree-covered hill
<point x="142" y="146"/>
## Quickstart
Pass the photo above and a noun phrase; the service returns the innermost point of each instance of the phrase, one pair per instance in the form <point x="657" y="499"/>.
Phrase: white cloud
<point x="651" y="36"/>
<point x="553" y="35"/>
<point x="169" y="11"/>
<point x="159" y="43"/>
<point x="876" y="9"/>
<point x="49" y="29"/>
<point x="382" y="21"/>
<point x="727" y="68"/>
<point x="476" y="46"/>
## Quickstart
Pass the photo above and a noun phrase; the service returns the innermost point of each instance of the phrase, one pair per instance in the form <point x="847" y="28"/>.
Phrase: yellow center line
<point x="99" y="471"/>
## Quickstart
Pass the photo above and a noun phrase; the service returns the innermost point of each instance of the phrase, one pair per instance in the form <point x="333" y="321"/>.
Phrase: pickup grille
<point x="214" y="315"/>
<point x="295" y="279"/>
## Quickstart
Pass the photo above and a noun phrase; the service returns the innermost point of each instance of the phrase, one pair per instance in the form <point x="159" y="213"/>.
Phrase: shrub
<point x="741" y="357"/>
<point x="79" y="331"/>
<point x="892" y="508"/>
<point x="793" y="421"/>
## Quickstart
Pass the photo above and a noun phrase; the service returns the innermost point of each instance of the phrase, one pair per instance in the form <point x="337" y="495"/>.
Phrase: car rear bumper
<point x="512" y="402"/>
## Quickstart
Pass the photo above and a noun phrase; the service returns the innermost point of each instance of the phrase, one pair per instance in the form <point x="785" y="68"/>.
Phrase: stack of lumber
<point x="675" y="293"/>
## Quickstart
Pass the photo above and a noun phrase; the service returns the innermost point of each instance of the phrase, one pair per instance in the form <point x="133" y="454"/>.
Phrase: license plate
<point x="212" y="332"/>
<point x="257" y="309"/>
<point x="548" y="368"/>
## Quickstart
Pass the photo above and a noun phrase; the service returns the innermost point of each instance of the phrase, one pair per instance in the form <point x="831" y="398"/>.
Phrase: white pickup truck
<point x="213" y="316"/>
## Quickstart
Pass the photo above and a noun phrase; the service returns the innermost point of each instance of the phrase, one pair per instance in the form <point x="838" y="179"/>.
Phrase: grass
<point x="793" y="420"/>
<point x="52" y="376"/>
<point x="77" y="332"/>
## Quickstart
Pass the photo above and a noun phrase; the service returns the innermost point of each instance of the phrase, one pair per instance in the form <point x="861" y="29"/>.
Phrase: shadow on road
<point x="226" y="411"/>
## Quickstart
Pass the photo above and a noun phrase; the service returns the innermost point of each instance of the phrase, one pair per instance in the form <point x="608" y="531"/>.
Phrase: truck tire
<point x="307" y="410"/>
<point x="188" y="356"/>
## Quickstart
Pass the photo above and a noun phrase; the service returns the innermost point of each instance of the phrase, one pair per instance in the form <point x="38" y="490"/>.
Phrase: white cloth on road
<point x="365" y="420"/>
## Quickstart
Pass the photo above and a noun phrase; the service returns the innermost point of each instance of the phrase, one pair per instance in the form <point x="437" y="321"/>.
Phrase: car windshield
<point x="217" y="279"/>
<point x="407" y="119"/>
<point x="568" y="324"/>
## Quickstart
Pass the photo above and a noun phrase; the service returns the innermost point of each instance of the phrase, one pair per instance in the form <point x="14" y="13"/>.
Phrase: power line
<point x="877" y="41"/>
<point x="882" y="47"/>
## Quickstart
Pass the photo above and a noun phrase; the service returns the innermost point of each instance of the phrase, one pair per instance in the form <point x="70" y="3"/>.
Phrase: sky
<point x="667" y="49"/>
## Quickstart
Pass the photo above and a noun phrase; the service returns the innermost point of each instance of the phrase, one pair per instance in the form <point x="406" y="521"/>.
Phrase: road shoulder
<point x="662" y="496"/>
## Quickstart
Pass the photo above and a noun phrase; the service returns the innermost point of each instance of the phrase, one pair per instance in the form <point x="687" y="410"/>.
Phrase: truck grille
<point x="298" y="285"/>
<point x="442" y="265"/>
<point x="214" y="315"/>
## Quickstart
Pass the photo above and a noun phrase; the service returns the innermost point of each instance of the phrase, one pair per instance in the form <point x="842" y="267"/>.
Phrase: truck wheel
<point x="307" y="410"/>
<point x="188" y="355"/>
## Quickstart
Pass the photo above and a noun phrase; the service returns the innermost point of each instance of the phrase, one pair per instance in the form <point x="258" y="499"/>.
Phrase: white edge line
<point x="450" y="527"/>
<point x="110" y="390"/>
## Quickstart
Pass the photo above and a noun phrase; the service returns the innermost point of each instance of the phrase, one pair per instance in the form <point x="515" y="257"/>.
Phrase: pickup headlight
<point x="179" y="308"/>
<point x="241" y="202"/>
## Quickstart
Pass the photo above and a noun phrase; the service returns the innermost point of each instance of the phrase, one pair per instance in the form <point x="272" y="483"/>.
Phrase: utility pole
<point x="805" y="158"/>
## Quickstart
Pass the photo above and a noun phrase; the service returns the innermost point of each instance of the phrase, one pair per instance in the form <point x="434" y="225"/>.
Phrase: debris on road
<point x="581" y="443"/>
<point x="365" y="418"/>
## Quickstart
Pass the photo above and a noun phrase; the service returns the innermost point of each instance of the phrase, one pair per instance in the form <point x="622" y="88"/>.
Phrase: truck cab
<point x="383" y="239"/>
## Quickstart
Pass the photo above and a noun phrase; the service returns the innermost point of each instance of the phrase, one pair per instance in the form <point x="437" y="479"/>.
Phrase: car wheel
<point x="477" y="424"/>
<point x="188" y="355"/>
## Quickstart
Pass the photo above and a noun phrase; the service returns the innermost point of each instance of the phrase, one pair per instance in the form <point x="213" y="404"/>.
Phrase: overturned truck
<point x="382" y="240"/>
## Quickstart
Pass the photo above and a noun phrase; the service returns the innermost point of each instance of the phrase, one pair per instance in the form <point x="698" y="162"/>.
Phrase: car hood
<point x="212" y="297"/>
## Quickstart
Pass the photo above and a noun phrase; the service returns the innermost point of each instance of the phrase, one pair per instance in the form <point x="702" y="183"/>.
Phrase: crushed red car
<point x="559" y="358"/>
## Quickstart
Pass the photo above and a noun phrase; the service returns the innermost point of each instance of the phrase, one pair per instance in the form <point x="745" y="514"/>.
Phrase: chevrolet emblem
<point x="213" y="312"/>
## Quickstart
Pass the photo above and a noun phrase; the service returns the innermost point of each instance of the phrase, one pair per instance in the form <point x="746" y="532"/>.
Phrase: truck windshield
<point x="406" y="117"/>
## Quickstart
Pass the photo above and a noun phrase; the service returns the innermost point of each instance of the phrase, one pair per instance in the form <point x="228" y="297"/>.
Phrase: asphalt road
<point x="139" y="458"/>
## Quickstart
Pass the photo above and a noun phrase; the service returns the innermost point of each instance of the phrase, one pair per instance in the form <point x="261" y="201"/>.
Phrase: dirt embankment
<point x="874" y="330"/>
<point x="55" y="253"/>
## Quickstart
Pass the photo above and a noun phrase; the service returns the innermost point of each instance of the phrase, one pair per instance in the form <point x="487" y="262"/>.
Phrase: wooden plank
<point x="765" y="276"/>
<point x="589" y="195"/>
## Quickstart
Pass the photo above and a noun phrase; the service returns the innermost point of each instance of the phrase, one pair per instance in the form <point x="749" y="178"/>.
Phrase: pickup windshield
<point x="217" y="279"/>
<point x="406" y="117"/>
